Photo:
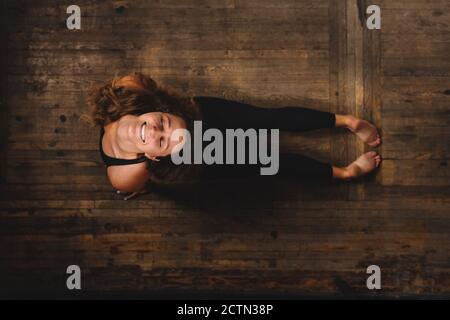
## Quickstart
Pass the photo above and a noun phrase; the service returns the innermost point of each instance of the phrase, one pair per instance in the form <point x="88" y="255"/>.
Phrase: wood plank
<point x="419" y="46"/>
<point x="3" y="90"/>
<point x="354" y="86"/>
<point x="371" y="107"/>
<point x="415" y="172"/>
<point x="338" y="42"/>
<point x="413" y="21"/>
<point x="154" y="200"/>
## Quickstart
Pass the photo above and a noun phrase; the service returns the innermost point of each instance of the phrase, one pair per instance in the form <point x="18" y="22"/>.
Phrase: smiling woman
<point x="138" y="120"/>
<point x="148" y="134"/>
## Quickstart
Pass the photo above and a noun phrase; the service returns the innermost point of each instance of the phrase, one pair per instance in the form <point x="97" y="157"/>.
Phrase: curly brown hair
<point x="110" y="101"/>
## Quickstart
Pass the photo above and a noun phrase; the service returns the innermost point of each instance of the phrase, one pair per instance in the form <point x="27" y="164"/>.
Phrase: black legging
<point x="227" y="114"/>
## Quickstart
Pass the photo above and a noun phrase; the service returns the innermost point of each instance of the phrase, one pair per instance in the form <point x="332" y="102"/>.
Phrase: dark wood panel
<point x="3" y="90"/>
<point x="282" y="236"/>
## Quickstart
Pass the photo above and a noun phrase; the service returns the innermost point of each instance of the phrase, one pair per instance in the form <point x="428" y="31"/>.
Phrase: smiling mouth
<point x="143" y="129"/>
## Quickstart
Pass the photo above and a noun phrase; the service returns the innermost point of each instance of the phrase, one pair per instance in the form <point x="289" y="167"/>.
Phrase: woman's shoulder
<point x="128" y="178"/>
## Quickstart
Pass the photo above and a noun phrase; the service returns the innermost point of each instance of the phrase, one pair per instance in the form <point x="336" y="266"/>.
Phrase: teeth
<point x="143" y="132"/>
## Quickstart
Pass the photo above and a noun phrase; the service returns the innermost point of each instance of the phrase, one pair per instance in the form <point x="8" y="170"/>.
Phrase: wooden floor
<point x="282" y="238"/>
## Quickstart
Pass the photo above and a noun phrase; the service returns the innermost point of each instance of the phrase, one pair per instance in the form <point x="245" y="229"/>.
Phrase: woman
<point x="137" y="118"/>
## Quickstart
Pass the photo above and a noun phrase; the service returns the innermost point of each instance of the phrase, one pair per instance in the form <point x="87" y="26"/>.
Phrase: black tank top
<point x="110" y="161"/>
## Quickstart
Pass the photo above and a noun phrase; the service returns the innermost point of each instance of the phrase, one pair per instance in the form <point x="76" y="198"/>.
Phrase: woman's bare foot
<point x="366" y="131"/>
<point x="366" y="163"/>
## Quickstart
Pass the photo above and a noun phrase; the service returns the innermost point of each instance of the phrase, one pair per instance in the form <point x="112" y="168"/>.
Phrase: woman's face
<point x="151" y="132"/>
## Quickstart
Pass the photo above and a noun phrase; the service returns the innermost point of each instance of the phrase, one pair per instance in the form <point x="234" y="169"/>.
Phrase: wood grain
<point x="276" y="238"/>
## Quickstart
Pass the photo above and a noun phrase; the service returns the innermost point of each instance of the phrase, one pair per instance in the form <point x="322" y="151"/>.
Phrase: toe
<point x="375" y="143"/>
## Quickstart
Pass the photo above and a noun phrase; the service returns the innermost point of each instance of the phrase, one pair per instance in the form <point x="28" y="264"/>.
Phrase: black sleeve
<point x="222" y="113"/>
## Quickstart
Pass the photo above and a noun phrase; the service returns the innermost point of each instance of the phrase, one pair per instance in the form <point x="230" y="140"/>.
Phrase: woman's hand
<point x="129" y="195"/>
<point x="133" y="194"/>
